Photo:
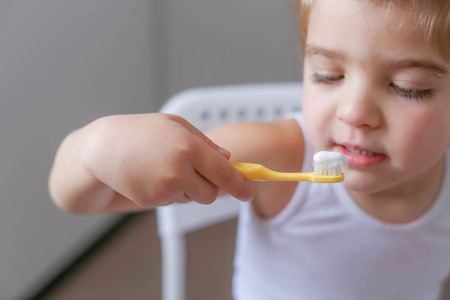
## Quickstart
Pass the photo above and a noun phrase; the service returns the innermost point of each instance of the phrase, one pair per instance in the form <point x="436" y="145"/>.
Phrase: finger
<point x="195" y="131"/>
<point x="201" y="190"/>
<point x="219" y="171"/>
<point x="184" y="199"/>
<point x="181" y="198"/>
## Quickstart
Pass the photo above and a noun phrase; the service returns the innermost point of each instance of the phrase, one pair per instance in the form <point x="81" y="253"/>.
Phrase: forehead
<point x="367" y="30"/>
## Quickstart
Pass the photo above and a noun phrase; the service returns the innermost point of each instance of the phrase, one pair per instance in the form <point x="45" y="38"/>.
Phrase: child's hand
<point x="153" y="160"/>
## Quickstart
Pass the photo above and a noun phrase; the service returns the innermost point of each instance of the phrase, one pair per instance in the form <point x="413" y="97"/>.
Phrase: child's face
<point x="376" y="92"/>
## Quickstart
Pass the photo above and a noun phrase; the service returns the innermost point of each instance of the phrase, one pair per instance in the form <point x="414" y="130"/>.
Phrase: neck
<point x="407" y="201"/>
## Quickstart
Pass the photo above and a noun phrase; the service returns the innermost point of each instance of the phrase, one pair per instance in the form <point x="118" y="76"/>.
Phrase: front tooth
<point x="360" y="152"/>
<point x="352" y="150"/>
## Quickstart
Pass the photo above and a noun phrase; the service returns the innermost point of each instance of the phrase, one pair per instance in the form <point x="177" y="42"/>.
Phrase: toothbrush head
<point x="328" y="163"/>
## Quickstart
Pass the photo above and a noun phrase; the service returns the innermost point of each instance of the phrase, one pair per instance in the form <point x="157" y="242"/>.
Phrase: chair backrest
<point x="208" y="107"/>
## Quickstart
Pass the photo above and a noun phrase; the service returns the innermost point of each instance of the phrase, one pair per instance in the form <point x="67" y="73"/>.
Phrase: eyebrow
<point x="429" y="66"/>
<point x="426" y="65"/>
<point x="334" y="54"/>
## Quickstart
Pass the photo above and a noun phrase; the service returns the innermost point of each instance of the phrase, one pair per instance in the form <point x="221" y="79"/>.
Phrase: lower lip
<point x="359" y="160"/>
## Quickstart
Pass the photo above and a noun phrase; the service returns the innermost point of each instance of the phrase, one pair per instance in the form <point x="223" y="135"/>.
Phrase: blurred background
<point x="64" y="63"/>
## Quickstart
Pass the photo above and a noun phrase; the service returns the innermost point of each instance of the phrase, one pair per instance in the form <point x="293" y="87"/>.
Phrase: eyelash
<point x="402" y="92"/>
<point x="316" y="78"/>
<point x="417" y="95"/>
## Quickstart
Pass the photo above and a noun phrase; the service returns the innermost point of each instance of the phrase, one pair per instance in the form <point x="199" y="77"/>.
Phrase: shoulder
<point x="277" y="145"/>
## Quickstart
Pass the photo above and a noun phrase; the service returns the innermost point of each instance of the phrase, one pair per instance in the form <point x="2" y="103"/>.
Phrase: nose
<point x="359" y="109"/>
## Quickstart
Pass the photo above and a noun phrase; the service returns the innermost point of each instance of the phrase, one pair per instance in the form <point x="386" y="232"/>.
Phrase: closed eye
<point x="327" y="79"/>
<point x="411" y="93"/>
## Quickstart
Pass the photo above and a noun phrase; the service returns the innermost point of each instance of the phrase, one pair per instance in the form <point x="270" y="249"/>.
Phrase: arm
<point x="278" y="145"/>
<point x="136" y="162"/>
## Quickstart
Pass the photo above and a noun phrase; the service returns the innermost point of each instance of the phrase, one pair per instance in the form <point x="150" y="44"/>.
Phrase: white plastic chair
<point x="206" y="108"/>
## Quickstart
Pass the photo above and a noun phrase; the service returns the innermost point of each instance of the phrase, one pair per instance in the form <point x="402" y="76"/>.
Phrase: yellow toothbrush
<point x="327" y="169"/>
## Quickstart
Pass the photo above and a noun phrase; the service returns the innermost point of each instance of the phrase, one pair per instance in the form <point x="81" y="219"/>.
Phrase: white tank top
<point x="323" y="246"/>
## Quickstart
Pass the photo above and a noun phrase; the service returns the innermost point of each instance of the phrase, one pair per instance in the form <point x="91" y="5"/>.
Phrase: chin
<point x="364" y="184"/>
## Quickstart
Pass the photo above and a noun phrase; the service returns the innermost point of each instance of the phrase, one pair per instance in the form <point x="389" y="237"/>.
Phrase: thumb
<point x="194" y="130"/>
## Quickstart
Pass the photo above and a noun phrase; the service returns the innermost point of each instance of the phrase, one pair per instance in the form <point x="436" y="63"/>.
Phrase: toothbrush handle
<point x="265" y="174"/>
<point x="283" y="176"/>
<point x="311" y="176"/>
<point x="258" y="172"/>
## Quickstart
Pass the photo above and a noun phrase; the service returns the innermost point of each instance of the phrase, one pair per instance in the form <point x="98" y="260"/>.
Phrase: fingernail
<point x="224" y="152"/>
<point x="249" y="197"/>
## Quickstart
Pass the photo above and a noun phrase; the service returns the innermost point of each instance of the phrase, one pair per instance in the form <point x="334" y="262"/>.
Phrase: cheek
<point x="421" y="139"/>
<point x="316" y="114"/>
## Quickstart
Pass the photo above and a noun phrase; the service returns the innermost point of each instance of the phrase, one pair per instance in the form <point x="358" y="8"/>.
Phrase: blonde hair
<point x="433" y="18"/>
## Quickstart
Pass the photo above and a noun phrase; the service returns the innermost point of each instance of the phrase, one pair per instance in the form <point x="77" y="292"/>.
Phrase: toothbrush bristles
<point x="329" y="163"/>
<point x="331" y="168"/>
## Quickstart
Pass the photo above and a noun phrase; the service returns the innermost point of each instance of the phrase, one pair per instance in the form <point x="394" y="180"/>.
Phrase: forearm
<point x="138" y="162"/>
<point x="72" y="186"/>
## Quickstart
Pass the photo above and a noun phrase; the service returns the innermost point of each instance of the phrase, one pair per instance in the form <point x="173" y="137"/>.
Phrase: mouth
<point x="361" y="157"/>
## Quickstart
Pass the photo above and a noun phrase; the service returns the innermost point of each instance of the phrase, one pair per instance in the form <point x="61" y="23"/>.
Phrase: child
<point x="377" y="89"/>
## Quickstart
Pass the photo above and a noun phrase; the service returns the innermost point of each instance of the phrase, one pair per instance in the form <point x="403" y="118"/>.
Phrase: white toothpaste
<point x="329" y="163"/>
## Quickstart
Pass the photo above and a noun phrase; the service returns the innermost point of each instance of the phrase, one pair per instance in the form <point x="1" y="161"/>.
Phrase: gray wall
<point x="230" y="42"/>
<point x="64" y="63"/>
